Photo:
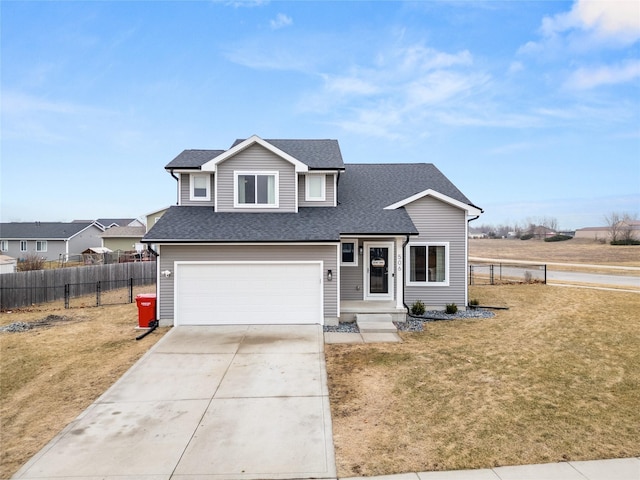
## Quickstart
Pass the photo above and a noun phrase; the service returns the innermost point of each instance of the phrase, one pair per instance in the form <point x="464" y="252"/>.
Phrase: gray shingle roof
<point x="41" y="230"/>
<point x="364" y="191"/>
<point x="193" y="158"/>
<point x="317" y="154"/>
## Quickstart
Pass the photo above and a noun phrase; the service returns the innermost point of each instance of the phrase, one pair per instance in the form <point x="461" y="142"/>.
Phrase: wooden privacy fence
<point x="40" y="286"/>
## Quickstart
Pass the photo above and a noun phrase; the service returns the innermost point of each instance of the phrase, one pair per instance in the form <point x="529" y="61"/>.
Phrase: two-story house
<point x="282" y="231"/>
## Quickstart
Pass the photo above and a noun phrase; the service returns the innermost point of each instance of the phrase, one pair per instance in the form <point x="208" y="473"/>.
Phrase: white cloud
<point x="281" y="21"/>
<point x="586" y="78"/>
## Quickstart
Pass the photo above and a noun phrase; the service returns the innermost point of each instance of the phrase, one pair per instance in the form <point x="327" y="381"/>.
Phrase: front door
<point x="379" y="271"/>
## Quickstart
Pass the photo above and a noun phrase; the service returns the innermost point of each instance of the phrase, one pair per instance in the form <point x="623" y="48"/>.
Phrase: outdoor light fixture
<point x="166" y="273"/>
<point x="360" y="250"/>
<point x="329" y="275"/>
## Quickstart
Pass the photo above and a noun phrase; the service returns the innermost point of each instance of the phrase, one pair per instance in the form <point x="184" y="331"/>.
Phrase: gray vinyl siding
<point x="439" y="222"/>
<point x="172" y="253"/>
<point x="185" y="192"/>
<point x="351" y="284"/>
<point x="89" y="237"/>
<point x="256" y="158"/>
<point x="330" y="192"/>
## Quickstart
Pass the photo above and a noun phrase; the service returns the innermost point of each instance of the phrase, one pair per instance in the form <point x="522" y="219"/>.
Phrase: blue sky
<point x="531" y="108"/>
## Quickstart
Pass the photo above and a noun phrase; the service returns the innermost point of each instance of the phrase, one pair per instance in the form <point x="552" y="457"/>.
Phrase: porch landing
<point x="350" y="308"/>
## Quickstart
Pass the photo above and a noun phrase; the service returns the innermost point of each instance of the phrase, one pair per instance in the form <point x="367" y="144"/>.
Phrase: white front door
<point x="378" y="270"/>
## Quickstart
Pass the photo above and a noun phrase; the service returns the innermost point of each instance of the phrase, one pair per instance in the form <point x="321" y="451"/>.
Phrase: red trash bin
<point x="146" y="309"/>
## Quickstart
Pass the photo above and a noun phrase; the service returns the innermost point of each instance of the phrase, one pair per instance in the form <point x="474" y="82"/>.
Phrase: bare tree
<point x="620" y="226"/>
<point x="32" y="261"/>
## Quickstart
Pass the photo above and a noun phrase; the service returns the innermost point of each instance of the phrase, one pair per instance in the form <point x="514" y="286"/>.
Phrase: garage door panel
<point x="239" y="293"/>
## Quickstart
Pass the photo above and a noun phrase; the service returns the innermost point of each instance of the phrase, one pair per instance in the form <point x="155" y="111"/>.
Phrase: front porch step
<point x="375" y="323"/>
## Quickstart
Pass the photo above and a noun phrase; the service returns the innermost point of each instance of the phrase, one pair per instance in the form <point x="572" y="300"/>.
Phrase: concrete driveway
<point x="220" y="402"/>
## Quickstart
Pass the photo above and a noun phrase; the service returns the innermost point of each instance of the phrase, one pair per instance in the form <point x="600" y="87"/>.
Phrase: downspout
<point x="177" y="180"/>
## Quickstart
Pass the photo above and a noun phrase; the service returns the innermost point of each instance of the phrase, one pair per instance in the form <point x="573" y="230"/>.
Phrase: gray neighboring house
<point x="49" y="240"/>
<point x="282" y="231"/>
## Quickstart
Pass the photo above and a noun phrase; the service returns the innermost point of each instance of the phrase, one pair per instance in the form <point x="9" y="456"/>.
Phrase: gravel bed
<point x="414" y="324"/>
<point x="24" y="326"/>
<point x="16" y="327"/>
<point x="350" y="327"/>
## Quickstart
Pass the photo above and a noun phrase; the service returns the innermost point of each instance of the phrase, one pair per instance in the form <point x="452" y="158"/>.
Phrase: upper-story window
<point x="315" y="188"/>
<point x="200" y="187"/>
<point x="256" y="189"/>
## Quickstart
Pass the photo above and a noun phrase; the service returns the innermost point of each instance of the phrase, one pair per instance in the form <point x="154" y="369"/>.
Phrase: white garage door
<point x="216" y="293"/>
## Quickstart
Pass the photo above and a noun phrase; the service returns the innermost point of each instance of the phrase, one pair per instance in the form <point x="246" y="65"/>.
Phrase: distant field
<point x="571" y="251"/>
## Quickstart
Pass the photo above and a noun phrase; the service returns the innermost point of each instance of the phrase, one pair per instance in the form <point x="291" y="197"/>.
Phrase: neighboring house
<point x="119" y="222"/>
<point x="8" y="264"/>
<point x="282" y="231"/>
<point x="49" y="240"/>
<point x="152" y="217"/>
<point x="123" y="238"/>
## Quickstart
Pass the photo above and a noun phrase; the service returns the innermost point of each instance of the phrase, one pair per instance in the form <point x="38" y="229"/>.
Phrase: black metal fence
<point x="23" y="289"/>
<point x="106" y="293"/>
<point x="501" y="273"/>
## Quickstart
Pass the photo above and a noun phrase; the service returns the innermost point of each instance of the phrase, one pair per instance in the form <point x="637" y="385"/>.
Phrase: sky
<point x="532" y="109"/>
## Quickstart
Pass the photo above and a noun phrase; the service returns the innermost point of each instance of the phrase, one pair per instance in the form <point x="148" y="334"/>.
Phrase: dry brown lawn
<point x="570" y="251"/>
<point x="51" y="373"/>
<point x="556" y="377"/>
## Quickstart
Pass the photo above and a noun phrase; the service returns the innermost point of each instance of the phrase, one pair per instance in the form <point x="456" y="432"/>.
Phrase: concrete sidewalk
<point x="618" y="469"/>
<point x="226" y="402"/>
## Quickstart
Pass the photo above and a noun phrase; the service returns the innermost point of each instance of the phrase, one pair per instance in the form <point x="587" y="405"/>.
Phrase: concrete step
<point x="378" y="323"/>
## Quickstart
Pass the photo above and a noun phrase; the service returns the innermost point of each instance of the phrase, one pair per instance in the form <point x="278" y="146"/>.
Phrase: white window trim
<point x="4" y="245"/>
<point x="426" y="283"/>
<point x="192" y="185"/>
<point x="355" y="253"/>
<point x="43" y="243"/>
<point x="26" y="246"/>
<point x="237" y="173"/>
<point x="307" y="193"/>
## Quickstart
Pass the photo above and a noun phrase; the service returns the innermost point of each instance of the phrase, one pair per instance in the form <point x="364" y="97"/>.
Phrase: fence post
<point x="545" y="273"/>
<point x="491" y="274"/>
<point x="131" y="290"/>
<point x="66" y="295"/>
<point x="98" y="289"/>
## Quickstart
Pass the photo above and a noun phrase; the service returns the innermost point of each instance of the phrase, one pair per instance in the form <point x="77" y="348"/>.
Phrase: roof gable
<point x="210" y="166"/>
<point x="470" y="209"/>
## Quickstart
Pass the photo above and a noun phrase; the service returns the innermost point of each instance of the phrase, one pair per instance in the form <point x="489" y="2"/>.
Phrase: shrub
<point x="32" y="261"/>
<point x="417" y="308"/>
<point x="627" y="241"/>
<point x="474" y="302"/>
<point x="451" y="308"/>
<point x="558" y="238"/>
<point x="526" y="236"/>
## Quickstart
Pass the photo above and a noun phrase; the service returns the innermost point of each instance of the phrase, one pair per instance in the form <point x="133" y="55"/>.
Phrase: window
<point x="349" y="253"/>
<point x="200" y="187"/>
<point x="41" y="245"/>
<point x="256" y="189"/>
<point x="4" y="245"/>
<point x="428" y="263"/>
<point x="23" y="245"/>
<point x="315" y="188"/>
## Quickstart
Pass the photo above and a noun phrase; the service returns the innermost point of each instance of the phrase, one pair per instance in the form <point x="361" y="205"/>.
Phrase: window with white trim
<point x="41" y="245"/>
<point x="4" y="245"/>
<point x="315" y="187"/>
<point x="428" y="264"/>
<point x="256" y="189"/>
<point x="23" y="245"/>
<point x="200" y="187"/>
<point x="349" y="253"/>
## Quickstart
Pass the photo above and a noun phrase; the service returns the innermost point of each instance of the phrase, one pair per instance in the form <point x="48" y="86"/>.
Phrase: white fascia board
<point x="470" y="209"/>
<point x="182" y="243"/>
<point x="210" y="166"/>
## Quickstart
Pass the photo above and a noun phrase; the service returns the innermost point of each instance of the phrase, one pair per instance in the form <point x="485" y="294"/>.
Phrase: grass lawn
<point x="51" y="373"/>
<point x="556" y="377"/>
